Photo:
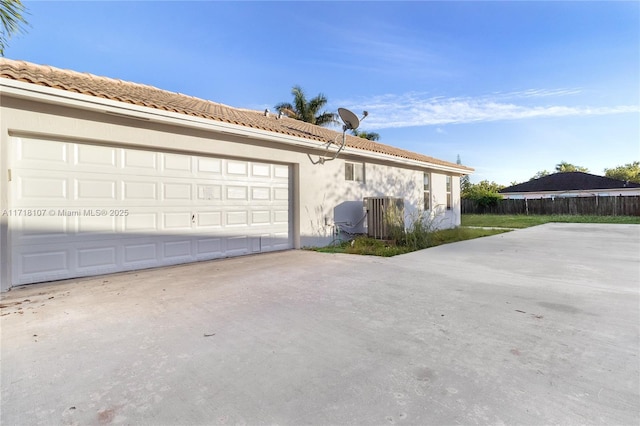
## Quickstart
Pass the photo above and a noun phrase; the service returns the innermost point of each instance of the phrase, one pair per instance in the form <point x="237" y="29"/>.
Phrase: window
<point x="354" y="171"/>
<point x="448" y="192"/>
<point x="427" y="191"/>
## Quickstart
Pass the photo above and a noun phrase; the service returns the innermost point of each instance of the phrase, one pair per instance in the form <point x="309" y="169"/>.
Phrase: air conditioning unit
<point x="383" y="215"/>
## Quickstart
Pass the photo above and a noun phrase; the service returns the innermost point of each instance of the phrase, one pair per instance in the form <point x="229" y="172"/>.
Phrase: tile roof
<point x="569" y="181"/>
<point x="152" y="97"/>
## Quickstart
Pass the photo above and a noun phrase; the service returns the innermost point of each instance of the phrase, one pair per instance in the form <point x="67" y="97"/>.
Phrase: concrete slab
<point x="536" y="326"/>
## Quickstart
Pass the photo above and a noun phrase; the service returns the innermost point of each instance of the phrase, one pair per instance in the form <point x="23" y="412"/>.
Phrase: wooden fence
<point x="600" y="206"/>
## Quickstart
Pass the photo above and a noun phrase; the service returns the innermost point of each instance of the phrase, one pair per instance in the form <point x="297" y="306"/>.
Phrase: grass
<point x="370" y="246"/>
<point x="524" y="221"/>
<point x="373" y="247"/>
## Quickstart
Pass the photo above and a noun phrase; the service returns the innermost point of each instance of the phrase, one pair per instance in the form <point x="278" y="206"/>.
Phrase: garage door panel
<point x="177" y="221"/>
<point x="177" y="250"/>
<point x="45" y="264"/>
<point x="141" y="222"/>
<point x="209" y="248"/>
<point x="138" y="161"/>
<point x="92" y="156"/>
<point x="261" y="170"/>
<point x="209" y="219"/>
<point x="281" y="172"/>
<point x="260" y="217"/>
<point x="139" y="191"/>
<point x="98" y="224"/>
<point x="260" y="193"/>
<point x="34" y="153"/>
<point x="237" y="168"/>
<point x="41" y="229"/>
<point x="209" y="192"/>
<point x="269" y="242"/>
<point x="96" y="257"/>
<point x="237" y="193"/>
<point x="237" y="218"/>
<point x="106" y="209"/>
<point x="95" y="190"/>
<point x="177" y="163"/>
<point x="208" y="167"/>
<point x="281" y="194"/>
<point x="50" y="261"/>
<point x="280" y="241"/>
<point x="274" y="241"/>
<point x="237" y="245"/>
<point x="177" y="191"/>
<point x="34" y="189"/>
<point x="281" y="217"/>
<point x="145" y="253"/>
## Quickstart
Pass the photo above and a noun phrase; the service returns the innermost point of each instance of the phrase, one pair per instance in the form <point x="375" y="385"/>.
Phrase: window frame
<point x="426" y="190"/>
<point x="351" y="173"/>
<point x="448" y="186"/>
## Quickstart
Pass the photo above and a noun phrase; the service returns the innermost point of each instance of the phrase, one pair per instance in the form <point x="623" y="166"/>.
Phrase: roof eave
<point x="82" y="101"/>
<point x="568" y="191"/>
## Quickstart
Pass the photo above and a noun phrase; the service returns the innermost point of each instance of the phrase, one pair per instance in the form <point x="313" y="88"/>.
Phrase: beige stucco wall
<point x="320" y="196"/>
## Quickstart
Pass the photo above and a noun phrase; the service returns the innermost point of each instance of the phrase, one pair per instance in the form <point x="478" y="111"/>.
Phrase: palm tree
<point x="308" y="111"/>
<point x="372" y="136"/>
<point x="11" y="20"/>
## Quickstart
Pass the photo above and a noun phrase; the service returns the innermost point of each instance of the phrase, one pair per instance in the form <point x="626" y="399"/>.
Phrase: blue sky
<point x="511" y="87"/>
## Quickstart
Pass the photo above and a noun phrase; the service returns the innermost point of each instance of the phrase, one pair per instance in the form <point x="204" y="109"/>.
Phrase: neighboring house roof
<point x="569" y="181"/>
<point x="149" y="96"/>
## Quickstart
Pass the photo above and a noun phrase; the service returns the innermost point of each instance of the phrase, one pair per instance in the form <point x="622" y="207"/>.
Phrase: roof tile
<point x="149" y="96"/>
<point x="569" y="181"/>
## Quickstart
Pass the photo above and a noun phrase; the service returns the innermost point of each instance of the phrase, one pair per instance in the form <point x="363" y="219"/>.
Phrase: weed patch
<point x="372" y="247"/>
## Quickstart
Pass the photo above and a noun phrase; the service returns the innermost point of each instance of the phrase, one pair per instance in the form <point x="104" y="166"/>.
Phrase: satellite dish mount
<point x="351" y="122"/>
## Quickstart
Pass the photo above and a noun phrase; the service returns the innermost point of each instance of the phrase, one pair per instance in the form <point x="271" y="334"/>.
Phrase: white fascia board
<point x="50" y="95"/>
<point x="406" y="161"/>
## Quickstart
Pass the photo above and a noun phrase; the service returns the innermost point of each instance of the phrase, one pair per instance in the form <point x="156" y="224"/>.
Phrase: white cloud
<point x="539" y="93"/>
<point x="415" y="109"/>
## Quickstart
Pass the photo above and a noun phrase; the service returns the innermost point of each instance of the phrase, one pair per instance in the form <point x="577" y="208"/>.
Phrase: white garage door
<point x="78" y="209"/>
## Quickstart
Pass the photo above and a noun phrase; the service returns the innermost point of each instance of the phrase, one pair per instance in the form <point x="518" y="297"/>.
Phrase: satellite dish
<point x="351" y="121"/>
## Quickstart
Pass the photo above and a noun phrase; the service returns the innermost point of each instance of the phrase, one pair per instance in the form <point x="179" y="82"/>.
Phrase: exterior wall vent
<point x="383" y="215"/>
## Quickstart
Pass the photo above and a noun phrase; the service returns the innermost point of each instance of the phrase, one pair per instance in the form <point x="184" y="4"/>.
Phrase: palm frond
<point x="326" y="118"/>
<point x="11" y="20"/>
<point x="317" y="103"/>
<point x="307" y="111"/>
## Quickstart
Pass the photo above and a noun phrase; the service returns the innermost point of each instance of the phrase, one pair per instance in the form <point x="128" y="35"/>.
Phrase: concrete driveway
<point x="536" y="326"/>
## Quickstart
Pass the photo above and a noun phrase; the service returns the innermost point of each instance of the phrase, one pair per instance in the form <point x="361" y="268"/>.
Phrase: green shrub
<point x="416" y="235"/>
<point x="486" y="198"/>
<point x="419" y="232"/>
<point x="394" y="223"/>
